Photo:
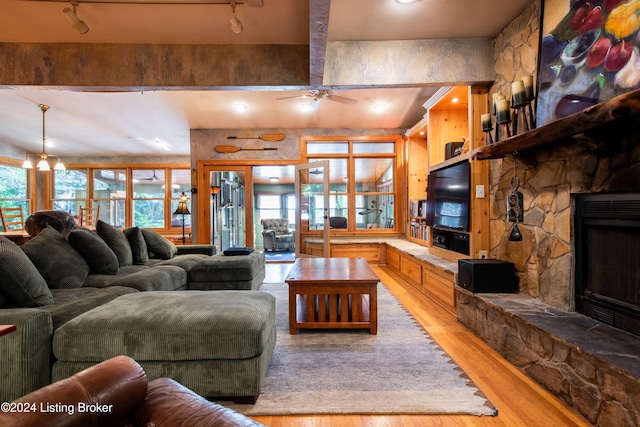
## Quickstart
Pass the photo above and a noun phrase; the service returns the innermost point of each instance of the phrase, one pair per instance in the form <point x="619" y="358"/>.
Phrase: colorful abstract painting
<point x="589" y="52"/>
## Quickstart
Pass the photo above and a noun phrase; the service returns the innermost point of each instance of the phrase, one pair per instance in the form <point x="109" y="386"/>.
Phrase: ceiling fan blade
<point x="342" y="99"/>
<point x="297" y="96"/>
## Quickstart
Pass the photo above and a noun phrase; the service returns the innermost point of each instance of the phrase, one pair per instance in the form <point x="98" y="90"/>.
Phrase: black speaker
<point x="450" y="149"/>
<point x="487" y="276"/>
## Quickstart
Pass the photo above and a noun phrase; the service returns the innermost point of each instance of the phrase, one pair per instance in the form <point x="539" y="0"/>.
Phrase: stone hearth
<point x="591" y="366"/>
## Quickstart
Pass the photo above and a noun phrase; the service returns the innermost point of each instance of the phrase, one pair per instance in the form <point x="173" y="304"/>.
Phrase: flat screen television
<point x="449" y="196"/>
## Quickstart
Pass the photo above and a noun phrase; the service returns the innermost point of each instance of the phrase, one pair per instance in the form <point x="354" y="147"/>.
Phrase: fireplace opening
<point x="607" y="249"/>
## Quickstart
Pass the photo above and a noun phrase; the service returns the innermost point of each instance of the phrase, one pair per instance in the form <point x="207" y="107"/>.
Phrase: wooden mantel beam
<point x="616" y="109"/>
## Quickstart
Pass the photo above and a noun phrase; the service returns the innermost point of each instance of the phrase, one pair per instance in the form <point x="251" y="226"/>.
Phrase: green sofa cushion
<point x="222" y="268"/>
<point x="56" y="260"/>
<point x="99" y="256"/>
<point x="138" y="245"/>
<point x="171" y="326"/>
<point x="159" y="246"/>
<point x="20" y="281"/>
<point x="117" y="241"/>
<point x="157" y="278"/>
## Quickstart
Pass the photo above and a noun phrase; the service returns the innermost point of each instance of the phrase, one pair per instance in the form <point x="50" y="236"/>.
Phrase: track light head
<point x="76" y="22"/>
<point x="236" y="25"/>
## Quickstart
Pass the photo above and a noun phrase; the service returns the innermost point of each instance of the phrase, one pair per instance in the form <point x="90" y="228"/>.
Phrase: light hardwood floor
<point x="520" y="401"/>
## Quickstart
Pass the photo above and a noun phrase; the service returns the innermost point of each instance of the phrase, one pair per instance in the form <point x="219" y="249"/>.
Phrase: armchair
<point x="116" y="392"/>
<point x="276" y="235"/>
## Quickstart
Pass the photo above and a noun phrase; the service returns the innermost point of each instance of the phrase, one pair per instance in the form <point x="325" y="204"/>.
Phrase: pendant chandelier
<point x="43" y="164"/>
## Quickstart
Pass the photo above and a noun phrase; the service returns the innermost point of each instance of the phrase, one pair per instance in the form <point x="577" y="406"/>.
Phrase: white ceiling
<point x="158" y="122"/>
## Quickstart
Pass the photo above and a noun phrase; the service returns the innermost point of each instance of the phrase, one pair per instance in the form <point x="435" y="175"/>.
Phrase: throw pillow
<point x="138" y="245"/>
<point x="117" y="241"/>
<point x="159" y="246"/>
<point x="20" y="281"/>
<point x="99" y="256"/>
<point x="61" y="266"/>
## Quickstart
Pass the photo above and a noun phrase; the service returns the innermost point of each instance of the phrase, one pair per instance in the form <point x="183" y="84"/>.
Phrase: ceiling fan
<point x="153" y="178"/>
<point x="317" y="95"/>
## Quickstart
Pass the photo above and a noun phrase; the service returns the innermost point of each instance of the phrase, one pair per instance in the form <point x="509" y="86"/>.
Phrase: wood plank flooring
<point x="520" y="400"/>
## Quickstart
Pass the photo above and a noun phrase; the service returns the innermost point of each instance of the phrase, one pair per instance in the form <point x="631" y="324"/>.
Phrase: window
<point x="148" y="198"/>
<point x="154" y="195"/>
<point x="269" y="206"/>
<point x="70" y="190"/>
<point x="363" y="181"/>
<point x="110" y="192"/>
<point x="276" y="205"/>
<point x="14" y="188"/>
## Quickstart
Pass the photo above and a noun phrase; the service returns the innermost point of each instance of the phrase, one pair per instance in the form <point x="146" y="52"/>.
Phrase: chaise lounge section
<point x="218" y="344"/>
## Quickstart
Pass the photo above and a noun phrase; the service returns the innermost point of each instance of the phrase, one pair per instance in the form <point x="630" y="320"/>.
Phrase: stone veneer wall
<point x="549" y="177"/>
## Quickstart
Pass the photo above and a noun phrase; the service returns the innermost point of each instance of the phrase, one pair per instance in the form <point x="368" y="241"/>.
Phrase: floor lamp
<point x="182" y="210"/>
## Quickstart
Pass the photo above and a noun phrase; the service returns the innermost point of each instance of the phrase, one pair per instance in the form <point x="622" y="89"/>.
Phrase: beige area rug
<point x="402" y="370"/>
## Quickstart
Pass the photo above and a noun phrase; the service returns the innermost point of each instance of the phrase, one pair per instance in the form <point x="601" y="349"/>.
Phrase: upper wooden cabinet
<point x="447" y="121"/>
<point x="453" y="115"/>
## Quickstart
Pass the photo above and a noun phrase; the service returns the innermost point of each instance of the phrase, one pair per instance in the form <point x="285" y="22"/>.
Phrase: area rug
<point x="401" y="370"/>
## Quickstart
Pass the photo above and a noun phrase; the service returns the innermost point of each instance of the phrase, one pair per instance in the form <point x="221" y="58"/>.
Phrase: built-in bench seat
<point x="432" y="275"/>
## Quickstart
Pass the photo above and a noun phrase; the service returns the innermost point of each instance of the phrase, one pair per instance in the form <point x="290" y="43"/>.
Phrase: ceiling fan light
<point x="27" y="164"/>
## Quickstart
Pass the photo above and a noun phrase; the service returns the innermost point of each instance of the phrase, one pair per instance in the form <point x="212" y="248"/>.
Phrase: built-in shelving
<point x="614" y="110"/>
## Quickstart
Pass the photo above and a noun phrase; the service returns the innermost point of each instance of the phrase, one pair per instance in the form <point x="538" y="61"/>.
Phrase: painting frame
<point x="589" y="52"/>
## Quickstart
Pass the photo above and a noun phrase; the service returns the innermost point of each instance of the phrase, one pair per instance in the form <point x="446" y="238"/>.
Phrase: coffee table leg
<point x="293" y="316"/>
<point x="373" y="309"/>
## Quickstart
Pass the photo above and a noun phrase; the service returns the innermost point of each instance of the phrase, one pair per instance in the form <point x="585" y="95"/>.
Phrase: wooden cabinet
<point x="393" y="258"/>
<point x="371" y="252"/>
<point x="439" y="285"/>
<point x="434" y="282"/>
<point x="453" y="114"/>
<point x="411" y="269"/>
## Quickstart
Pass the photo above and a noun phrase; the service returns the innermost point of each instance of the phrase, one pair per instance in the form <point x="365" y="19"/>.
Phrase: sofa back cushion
<point x="99" y="256"/>
<point x="57" y="261"/>
<point x="159" y="246"/>
<point x="117" y="241"/>
<point x="138" y="245"/>
<point x="20" y="281"/>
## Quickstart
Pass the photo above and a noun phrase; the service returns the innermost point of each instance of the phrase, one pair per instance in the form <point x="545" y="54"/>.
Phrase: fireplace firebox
<point x="607" y="267"/>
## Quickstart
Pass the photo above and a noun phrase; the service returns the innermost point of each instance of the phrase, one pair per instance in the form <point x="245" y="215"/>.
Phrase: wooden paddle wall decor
<point x="271" y="137"/>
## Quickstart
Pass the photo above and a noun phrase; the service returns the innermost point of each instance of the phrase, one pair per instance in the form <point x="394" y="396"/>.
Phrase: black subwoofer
<point x="487" y="276"/>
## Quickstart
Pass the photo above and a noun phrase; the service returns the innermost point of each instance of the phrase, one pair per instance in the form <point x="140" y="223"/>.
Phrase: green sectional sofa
<point x="52" y="280"/>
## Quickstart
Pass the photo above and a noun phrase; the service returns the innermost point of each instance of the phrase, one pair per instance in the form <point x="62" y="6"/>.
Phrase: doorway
<point x="274" y="198"/>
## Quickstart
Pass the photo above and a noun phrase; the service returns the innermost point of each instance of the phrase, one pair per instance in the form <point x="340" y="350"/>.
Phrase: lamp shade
<point x="182" y="208"/>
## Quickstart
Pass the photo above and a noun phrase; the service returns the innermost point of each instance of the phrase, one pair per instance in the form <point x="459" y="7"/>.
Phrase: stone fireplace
<point x="607" y="267"/>
<point x="589" y="364"/>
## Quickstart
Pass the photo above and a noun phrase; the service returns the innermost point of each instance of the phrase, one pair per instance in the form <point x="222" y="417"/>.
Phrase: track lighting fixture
<point x="236" y="25"/>
<point x="76" y="22"/>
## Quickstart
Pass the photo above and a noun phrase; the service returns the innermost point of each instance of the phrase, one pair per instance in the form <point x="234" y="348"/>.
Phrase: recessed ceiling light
<point x="240" y="107"/>
<point x="455" y="100"/>
<point x="379" y="107"/>
<point x="406" y="1"/>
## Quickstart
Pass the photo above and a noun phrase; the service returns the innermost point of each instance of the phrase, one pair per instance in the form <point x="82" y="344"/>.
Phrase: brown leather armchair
<point x="116" y="393"/>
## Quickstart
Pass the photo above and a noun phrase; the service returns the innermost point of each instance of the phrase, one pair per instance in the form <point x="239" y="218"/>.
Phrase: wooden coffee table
<point x="332" y="293"/>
